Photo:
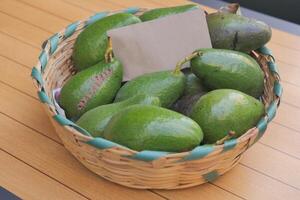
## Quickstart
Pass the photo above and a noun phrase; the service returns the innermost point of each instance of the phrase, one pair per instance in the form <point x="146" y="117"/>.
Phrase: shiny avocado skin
<point x="94" y="86"/>
<point x="221" y="68"/>
<point x="236" y="32"/>
<point x="91" y="43"/>
<point x="168" y="86"/>
<point x="95" y="120"/>
<point x="193" y="90"/>
<point x="224" y="110"/>
<point x="146" y="127"/>
<point x="162" y="12"/>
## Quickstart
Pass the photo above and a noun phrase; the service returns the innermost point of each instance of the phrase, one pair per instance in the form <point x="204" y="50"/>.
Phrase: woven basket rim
<point x="50" y="45"/>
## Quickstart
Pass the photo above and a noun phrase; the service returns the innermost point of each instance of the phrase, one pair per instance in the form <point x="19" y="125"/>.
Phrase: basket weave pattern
<point x="145" y="169"/>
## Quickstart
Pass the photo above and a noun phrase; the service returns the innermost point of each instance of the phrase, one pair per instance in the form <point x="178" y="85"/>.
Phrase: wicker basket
<point x="145" y="169"/>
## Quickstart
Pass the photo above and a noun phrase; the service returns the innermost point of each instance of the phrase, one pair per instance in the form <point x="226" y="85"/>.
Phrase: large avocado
<point x="162" y="12"/>
<point x="95" y="120"/>
<point x="92" y="43"/>
<point x="90" y="88"/>
<point x="168" y="86"/>
<point x="146" y="127"/>
<point x="220" y="68"/>
<point x="222" y="111"/>
<point x="231" y="31"/>
<point x="193" y="90"/>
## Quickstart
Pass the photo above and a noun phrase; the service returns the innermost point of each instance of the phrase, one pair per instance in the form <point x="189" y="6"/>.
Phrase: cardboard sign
<point x="159" y="44"/>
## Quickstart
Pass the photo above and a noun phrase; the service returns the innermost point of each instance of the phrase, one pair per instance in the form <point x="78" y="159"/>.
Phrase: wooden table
<point x="35" y="165"/>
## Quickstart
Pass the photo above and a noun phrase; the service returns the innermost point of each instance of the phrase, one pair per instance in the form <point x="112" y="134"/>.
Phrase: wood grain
<point x="28" y="183"/>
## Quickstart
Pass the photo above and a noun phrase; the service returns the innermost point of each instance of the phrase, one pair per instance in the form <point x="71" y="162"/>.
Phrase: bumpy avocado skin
<point x="91" y="43"/>
<point x="193" y="90"/>
<point x="221" y="68"/>
<point x="146" y="127"/>
<point x="166" y="85"/>
<point x="224" y="110"/>
<point x="162" y="12"/>
<point x="95" y="120"/>
<point x="236" y="32"/>
<point x="90" y="88"/>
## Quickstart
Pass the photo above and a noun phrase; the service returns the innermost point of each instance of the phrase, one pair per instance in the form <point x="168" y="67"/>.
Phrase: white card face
<point x="159" y="44"/>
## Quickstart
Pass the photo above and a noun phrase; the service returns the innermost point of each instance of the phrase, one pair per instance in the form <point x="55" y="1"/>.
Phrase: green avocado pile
<point x="215" y="99"/>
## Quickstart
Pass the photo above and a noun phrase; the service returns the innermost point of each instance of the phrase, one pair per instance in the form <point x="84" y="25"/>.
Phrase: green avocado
<point x="221" y="68"/>
<point x="146" y="127"/>
<point x="236" y="32"/>
<point x="92" y="43"/>
<point x="193" y="90"/>
<point x="168" y="86"/>
<point x="90" y="88"/>
<point x="224" y="110"/>
<point x="95" y="120"/>
<point x="162" y="12"/>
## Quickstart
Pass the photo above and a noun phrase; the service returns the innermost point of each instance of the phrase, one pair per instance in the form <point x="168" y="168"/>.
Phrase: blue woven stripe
<point x="271" y="111"/>
<point x="65" y="122"/>
<point x="149" y="155"/>
<point x="131" y="10"/>
<point x="262" y="125"/>
<point x="43" y="97"/>
<point x="43" y="59"/>
<point x="199" y="152"/>
<point x="53" y="43"/>
<point x="37" y="76"/>
<point x="96" y="17"/>
<point x="229" y="144"/>
<point x="101" y="143"/>
<point x="211" y="176"/>
<point x="71" y="29"/>
<point x="278" y="89"/>
<point x="273" y="67"/>
<point x="265" y="50"/>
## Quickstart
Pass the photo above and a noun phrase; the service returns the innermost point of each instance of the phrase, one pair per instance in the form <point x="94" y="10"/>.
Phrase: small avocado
<point x="95" y="120"/>
<point x="225" y="110"/>
<point x="221" y="68"/>
<point x="193" y="90"/>
<point x="168" y="86"/>
<point x="162" y="12"/>
<point x="147" y="127"/>
<point x="236" y="32"/>
<point x="90" y="88"/>
<point x="92" y="42"/>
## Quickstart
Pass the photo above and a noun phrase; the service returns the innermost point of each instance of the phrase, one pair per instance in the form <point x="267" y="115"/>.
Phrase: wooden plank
<point x="22" y="31"/>
<point x="285" y="54"/>
<point x="32" y="15"/>
<point x="27" y="110"/>
<point x="291" y="94"/>
<point x="250" y="184"/>
<point x="17" y="76"/>
<point x="273" y="163"/>
<point x="59" y="8"/>
<point x="93" y="5"/>
<point x="18" y="51"/>
<point x="54" y="160"/>
<point x="28" y="183"/>
<point x="283" y="139"/>
<point x="289" y="73"/>
<point x="199" y="192"/>
<point x="289" y="116"/>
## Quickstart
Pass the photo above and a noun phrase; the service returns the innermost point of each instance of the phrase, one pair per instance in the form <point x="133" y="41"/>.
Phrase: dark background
<point x="285" y="9"/>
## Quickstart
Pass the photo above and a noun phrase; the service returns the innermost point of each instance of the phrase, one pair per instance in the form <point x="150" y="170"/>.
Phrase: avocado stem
<point x="227" y="137"/>
<point x="186" y="59"/>
<point x="109" y="52"/>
